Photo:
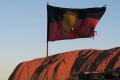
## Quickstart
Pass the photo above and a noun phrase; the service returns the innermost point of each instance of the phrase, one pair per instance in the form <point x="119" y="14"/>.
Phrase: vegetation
<point x="108" y="75"/>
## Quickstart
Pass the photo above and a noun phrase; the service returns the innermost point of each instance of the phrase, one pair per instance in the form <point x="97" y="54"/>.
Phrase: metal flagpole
<point x="47" y="62"/>
<point x="47" y="48"/>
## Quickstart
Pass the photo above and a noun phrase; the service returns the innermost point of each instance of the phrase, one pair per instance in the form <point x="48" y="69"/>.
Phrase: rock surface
<point x="61" y="66"/>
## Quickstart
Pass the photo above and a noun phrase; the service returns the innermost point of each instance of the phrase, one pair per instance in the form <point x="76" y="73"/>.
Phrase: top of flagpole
<point x="47" y="3"/>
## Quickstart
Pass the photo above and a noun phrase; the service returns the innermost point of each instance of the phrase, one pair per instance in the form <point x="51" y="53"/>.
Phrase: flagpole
<point x="47" y="61"/>
<point x="47" y="49"/>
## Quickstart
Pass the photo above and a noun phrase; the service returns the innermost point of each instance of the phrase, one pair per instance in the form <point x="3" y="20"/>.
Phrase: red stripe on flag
<point x="83" y="28"/>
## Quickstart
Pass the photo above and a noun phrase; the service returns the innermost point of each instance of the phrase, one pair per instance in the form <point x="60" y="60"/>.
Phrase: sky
<point x="23" y="30"/>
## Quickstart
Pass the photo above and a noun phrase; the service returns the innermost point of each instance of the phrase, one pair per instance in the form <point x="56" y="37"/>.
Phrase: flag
<point x="69" y="23"/>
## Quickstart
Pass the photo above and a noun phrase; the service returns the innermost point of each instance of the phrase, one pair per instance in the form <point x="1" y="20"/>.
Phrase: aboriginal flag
<point x="69" y="23"/>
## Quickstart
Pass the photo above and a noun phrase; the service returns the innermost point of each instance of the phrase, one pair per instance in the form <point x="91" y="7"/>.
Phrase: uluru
<point x="61" y="66"/>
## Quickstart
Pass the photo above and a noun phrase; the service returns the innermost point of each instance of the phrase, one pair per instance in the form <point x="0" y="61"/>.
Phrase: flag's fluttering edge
<point x="68" y="23"/>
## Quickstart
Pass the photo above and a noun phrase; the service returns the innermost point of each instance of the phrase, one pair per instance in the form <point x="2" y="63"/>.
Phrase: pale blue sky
<point x="23" y="26"/>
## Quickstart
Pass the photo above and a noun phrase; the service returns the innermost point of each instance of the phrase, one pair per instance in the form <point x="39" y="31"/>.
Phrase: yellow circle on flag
<point x="69" y="19"/>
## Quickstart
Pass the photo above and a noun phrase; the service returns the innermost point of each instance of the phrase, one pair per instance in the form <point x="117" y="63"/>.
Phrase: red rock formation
<point x="61" y="66"/>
